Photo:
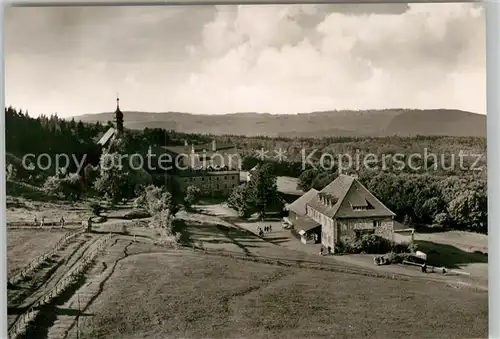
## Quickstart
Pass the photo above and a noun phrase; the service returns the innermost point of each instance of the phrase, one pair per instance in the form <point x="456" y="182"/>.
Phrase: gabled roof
<point x="349" y="193"/>
<point x="107" y="136"/>
<point x="338" y="189"/>
<point x="357" y="192"/>
<point x="304" y="223"/>
<point x="253" y="169"/>
<point x="299" y="205"/>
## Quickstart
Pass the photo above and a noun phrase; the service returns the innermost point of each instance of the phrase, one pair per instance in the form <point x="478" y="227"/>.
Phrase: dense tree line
<point x="49" y="135"/>
<point x="452" y="197"/>
<point x="457" y="202"/>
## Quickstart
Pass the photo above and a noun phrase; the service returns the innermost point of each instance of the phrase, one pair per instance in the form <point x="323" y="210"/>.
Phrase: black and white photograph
<point x="246" y="171"/>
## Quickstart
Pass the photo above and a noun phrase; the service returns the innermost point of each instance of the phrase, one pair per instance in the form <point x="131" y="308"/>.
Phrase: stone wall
<point x="351" y="228"/>
<point x="386" y="229"/>
<point x="328" y="233"/>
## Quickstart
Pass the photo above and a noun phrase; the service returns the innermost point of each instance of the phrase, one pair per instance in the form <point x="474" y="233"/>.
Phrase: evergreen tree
<point x="263" y="190"/>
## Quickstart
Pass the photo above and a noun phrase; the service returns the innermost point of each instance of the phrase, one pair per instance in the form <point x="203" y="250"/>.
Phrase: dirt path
<point x="216" y="231"/>
<point x="69" y="258"/>
<point x="75" y="306"/>
<point x="23" y="289"/>
<point x="74" y="312"/>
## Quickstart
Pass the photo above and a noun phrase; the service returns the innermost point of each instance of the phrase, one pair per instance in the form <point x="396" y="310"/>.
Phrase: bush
<point x="412" y="247"/>
<point x="340" y="247"/>
<point x="396" y="258"/>
<point x="96" y="208"/>
<point x="69" y="187"/>
<point x="373" y="244"/>
<point x="400" y="248"/>
<point x="193" y="195"/>
<point x="137" y="214"/>
<point x="140" y="201"/>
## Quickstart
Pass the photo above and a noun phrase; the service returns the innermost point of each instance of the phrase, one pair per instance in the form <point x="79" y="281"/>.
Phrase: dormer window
<point x="358" y="205"/>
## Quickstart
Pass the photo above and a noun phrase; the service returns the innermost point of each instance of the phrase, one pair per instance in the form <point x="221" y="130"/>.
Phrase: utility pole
<point x="78" y="317"/>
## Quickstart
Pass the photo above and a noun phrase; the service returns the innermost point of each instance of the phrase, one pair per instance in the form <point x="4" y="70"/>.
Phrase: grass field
<point x="195" y="296"/>
<point x="25" y="245"/>
<point x="23" y="211"/>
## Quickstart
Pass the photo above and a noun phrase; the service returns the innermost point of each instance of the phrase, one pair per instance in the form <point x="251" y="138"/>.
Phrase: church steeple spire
<point x="118" y="117"/>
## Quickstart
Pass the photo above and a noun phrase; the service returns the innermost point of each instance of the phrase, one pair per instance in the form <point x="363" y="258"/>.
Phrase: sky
<point x="281" y="59"/>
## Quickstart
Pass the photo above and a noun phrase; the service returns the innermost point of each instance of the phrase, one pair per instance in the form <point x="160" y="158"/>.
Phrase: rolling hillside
<point x="317" y="124"/>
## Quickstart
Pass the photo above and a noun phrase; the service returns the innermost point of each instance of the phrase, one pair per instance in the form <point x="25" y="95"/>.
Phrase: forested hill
<point x="389" y="122"/>
<point x="446" y="183"/>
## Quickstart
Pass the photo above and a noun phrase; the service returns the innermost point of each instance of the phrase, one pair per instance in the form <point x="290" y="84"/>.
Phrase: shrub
<point x="354" y="247"/>
<point x="396" y="258"/>
<point x="96" y="208"/>
<point x="11" y="172"/>
<point x="193" y="195"/>
<point x="70" y="186"/>
<point x="140" y="201"/>
<point x="137" y="214"/>
<point x="412" y="247"/>
<point x="400" y="248"/>
<point x="373" y="244"/>
<point x="340" y="247"/>
<point x="441" y="219"/>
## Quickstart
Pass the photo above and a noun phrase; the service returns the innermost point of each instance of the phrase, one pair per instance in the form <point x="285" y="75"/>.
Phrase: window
<point x="225" y="177"/>
<point x="202" y="179"/>
<point x="377" y="223"/>
<point x="358" y="235"/>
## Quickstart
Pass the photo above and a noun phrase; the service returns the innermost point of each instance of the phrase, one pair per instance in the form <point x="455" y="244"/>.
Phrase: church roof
<point x="107" y="136"/>
<point x="117" y="111"/>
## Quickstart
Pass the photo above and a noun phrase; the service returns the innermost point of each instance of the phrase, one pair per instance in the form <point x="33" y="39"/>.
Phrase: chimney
<point x="214" y="147"/>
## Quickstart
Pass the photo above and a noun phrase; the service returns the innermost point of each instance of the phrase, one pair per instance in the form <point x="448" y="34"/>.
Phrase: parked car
<point x="285" y="223"/>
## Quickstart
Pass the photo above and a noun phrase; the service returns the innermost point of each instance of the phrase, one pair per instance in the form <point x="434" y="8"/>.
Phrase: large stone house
<point x="214" y="169"/>
<point x="342" y="211"/>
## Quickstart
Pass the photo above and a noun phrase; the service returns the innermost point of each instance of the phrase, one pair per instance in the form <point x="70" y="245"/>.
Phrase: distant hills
<point x="403" y="122"/>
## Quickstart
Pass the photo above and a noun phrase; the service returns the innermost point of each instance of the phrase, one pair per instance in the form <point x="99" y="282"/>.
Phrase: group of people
<point x="261" y="231"/>
<point x="324" y="251"/>
<point x="62" y="222"/>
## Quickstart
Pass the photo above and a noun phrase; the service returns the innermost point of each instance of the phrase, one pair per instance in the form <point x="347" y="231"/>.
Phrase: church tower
<point x="118" y="118"/>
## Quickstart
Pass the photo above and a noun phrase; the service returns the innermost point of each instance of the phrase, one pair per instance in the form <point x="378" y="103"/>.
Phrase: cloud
<point x="429" y="56"/>
<point x="220" y="59"/>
